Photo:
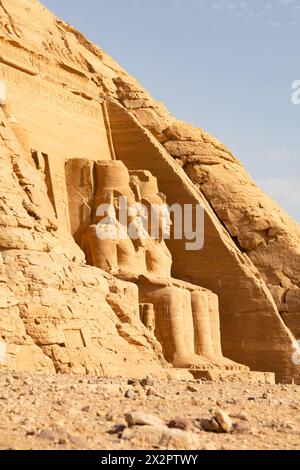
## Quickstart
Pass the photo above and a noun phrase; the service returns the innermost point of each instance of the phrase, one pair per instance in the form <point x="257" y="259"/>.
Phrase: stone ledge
<point x="234" y="376"/>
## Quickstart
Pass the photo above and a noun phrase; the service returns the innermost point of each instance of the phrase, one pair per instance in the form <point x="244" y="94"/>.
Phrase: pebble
<point x="117" y="429"/>
<point x="86" y="409"/>
<point x="180" y="423"/>
<point x="62" y="441"/>
<point x="161" y="437"/>
<point x="142" y="419"/>
<point x="231" y="401"/>
<point x="192" y="389"/>
<point x="224" y="420"/>
<point x="129" y="393"/>
<point x="133" y="382"/>
<point x="242" y="427"/>
<point x="4" y="396"/>
<point x="147" y="382"/>
<point x="108" y="416"/>
<point x="219" y="423"/>
<point x="47" y="435"/>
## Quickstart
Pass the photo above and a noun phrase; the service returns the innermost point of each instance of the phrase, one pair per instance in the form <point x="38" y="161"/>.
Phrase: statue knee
<point x="173" y="297"/>
<point x="213" y="302"/>
<point x="200" y="301"/>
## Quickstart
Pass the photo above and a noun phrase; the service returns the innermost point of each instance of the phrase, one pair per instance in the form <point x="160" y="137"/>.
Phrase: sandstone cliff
<point x="56" y="81"/>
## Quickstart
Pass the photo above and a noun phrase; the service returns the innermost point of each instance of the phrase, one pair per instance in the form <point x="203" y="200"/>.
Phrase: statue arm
<point x="102" y="253"/>
<point x="145" y="280"/>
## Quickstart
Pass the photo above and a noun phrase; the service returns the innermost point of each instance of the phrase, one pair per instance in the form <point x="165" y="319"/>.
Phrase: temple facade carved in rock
<point x="76" y="131"/>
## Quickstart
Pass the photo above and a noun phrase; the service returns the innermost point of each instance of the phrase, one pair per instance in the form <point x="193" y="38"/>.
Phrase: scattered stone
<point x="137" y="389"/>
<point x="86" y="409"/>
<point x="178" y="439"/>
<point x="150" y="392"/>
<point x="192" y="389"/>
<point x="62" y="441"/>
<point x="147" y="382"/>
<point x="138" y="418"/>
<point x="289" y="425"/>
<point x="161" y="437"/>
<point x="180" y="423"/>
<point x="117" y="429"/>
<point x="210" y="425"/>
<point x="282" y="402"/>
<point x="4" y="396"/>
<point x="129" y="393"/>
<point x="224" y="420"/>
<point x="242" y="427"/>
<point x="47" y="435"/>
<point x="132" y="382"/>
<point x="36" y="421"/>
<point x="231" y="401"/>
<point x="219" y="423"/>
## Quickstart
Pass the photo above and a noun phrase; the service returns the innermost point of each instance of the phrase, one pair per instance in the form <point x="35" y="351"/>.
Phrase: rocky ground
<point x="66" y="412"/>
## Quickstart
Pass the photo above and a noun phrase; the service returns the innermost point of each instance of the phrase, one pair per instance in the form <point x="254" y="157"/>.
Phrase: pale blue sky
<point x="224" y="65"/>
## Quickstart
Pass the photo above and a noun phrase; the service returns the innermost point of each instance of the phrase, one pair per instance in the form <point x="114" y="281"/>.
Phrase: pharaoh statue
<point x="183" y="316"/>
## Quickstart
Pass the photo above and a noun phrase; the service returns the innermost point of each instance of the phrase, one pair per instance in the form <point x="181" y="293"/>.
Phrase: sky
<point x="226" y="66"/>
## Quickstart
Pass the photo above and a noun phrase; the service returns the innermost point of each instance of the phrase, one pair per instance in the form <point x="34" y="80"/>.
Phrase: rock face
<point x="67" y="109"/>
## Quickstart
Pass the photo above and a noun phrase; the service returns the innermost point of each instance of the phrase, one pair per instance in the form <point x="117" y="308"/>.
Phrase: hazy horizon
<point x="223" y="65"/>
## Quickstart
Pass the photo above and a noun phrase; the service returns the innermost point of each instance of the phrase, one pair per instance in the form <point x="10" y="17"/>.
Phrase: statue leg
<point x="174" y="326"/>
<point x="214" y="316"/>
<point x="203" y="334"/>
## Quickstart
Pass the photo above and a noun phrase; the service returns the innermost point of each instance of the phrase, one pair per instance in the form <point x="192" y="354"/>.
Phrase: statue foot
<point x="223" y="363"/>
<point x="192" y="361"/>
<point x="227" y="364"/>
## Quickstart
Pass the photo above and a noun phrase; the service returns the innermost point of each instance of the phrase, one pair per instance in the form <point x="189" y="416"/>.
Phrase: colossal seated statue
<point x="183" y="316"/>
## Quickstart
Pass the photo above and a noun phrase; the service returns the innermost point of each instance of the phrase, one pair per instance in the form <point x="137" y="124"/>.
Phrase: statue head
<point x="133" y="201"/>
<point x="112" y="184"/>
<point x="153" y="203"/>
<point x="117" y="201"/>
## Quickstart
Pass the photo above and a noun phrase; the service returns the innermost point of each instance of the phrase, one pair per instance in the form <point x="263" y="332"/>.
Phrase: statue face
<point x="166" y="222"/>
<point x="161" y="220"/>
<point x="157" y="220"/>
<point x="137" y="222"/>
